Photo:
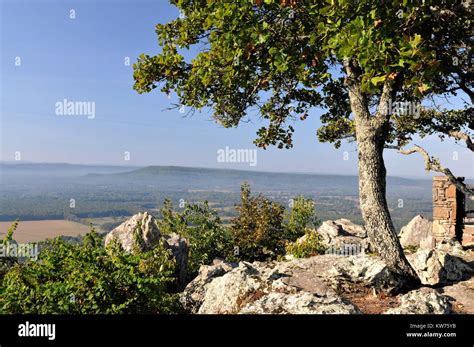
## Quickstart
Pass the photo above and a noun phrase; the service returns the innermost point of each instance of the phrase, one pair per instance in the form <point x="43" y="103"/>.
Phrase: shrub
<point x="202" y="227"/>
<point x="258" y="229"/>
<point x="88" y="278"/>
<point x="301" y="216"/>
<point x="308" y="246"/>
<point x="7" y="262"/>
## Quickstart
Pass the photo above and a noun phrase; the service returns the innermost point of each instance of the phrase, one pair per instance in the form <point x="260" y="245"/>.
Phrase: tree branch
<point x="383" y="110"/>
<point x="459" y="135"/>
<point x="433" y="164"/>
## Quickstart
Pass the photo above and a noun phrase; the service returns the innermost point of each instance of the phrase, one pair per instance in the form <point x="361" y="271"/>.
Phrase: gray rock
<point x="180" y="248"/>
<point x="417" y="233"/>
<point x="229" y="293"/>
<point x="452" y="247"/>
<point x="422" y="301"/>
<point x="139" y="233"/>
<point x="193" y="295"/>
<point x="436" y="267"/>
<point x="299" y="303"/>
<point x="342" y="234"/>
<point x="341" y="273"/>
<point x="463" y="295"/>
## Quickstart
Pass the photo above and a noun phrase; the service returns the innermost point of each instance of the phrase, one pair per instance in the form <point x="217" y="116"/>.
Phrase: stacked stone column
<point x="447" y="210"/>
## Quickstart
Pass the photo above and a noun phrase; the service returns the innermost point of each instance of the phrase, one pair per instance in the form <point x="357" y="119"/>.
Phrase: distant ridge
<point x="97" y="170"/>
<point x="169" y="169"/>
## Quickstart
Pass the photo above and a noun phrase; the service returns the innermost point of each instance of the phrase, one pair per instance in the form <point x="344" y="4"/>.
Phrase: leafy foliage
<point x="308" y="246"/>
<point x="88" y="278"/>
<point x="202" y="227"/>
<point x="301" y="216"/>
<point x="258" y="231"/>
<point x="7" y="262"/>
<point x="284" y="57"/>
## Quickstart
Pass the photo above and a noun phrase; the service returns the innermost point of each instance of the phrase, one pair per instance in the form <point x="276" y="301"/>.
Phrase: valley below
<point x="64" y="199"/>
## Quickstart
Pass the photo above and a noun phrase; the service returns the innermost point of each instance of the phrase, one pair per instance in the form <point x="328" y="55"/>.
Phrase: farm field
<point x="33" y="231"/>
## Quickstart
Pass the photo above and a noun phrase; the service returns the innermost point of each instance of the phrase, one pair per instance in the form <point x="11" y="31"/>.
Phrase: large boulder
<point x="417" y="233"/>
<point x="340" y="273"/>
<point x="229" y="293"/>
<point x="180" y="249"/>
<point x="276" y="286"/>
<point x="463" y="295"/>
<point x="436" y="267"/>
<point x="422" y="301"/>
<point x="342" y="236"/>
<point x="140" y="233"/>
<point x="193" y="295"/>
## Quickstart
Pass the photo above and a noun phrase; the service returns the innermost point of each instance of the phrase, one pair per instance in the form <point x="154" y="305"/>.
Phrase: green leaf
<point x="376" y="80"/>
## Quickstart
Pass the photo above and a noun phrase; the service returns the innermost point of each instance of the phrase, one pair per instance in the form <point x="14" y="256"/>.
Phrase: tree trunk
<point x="371" y="133"/>
<point x="373" y="204"/>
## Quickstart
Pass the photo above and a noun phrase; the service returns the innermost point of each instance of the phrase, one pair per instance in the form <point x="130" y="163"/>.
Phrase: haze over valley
<point x="107" y="195"/>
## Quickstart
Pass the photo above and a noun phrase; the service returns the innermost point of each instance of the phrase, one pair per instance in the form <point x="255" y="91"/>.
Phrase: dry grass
<point x="32" y="231"/>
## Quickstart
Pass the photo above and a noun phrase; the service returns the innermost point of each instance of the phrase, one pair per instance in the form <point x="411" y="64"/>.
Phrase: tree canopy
<point x="280" y="58"/>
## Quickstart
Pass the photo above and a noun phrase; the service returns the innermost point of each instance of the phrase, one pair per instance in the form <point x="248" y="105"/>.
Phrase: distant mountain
<point x="191" y="178"/>
<point x="58" y="170"/>
<point x="32" y="191"/>
<point x="179" y="178"/>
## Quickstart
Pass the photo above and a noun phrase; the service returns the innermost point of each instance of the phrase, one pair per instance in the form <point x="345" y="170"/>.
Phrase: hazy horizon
<point x="428" y="176"/>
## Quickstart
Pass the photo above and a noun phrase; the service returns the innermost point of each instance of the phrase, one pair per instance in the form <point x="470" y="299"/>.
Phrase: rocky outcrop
<point x="328" y="283"/>
<point x="417" y="233"/>
<point x="193" y="296"/>
<point x="462" y="294"/>
<point x="229" y="293"/>
<point x="180" y="249"/>
<point x="453" y="247"/>
<point x="276" y="287"/>
<point x="422" y="301"/>
<point x="341" y="273"/>
<point x="343" y="236"/>
<point x="299" y="303"/>
<point x="436" y="267"/>
<point x="140" y="233"/>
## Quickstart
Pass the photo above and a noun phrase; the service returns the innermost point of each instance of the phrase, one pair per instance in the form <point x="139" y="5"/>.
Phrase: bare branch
<point x="459" y="135"/>
<point x="433" y="164"/>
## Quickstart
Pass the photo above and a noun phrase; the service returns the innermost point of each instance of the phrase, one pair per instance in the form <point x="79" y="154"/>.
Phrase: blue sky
<point x="82" y="59"/>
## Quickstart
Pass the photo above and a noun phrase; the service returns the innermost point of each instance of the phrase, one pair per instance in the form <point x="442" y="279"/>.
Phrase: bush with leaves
<point x="202" y="227"/>
<point x="7" y="262"/>
<point x="307" y="246"/>
<point x="258" y="231"/>
<point x="301" y="216"/>
<point x="87" y="278"/>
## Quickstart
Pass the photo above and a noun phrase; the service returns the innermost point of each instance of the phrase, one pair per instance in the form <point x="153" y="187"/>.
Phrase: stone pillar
<point x="447" y="210"/>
